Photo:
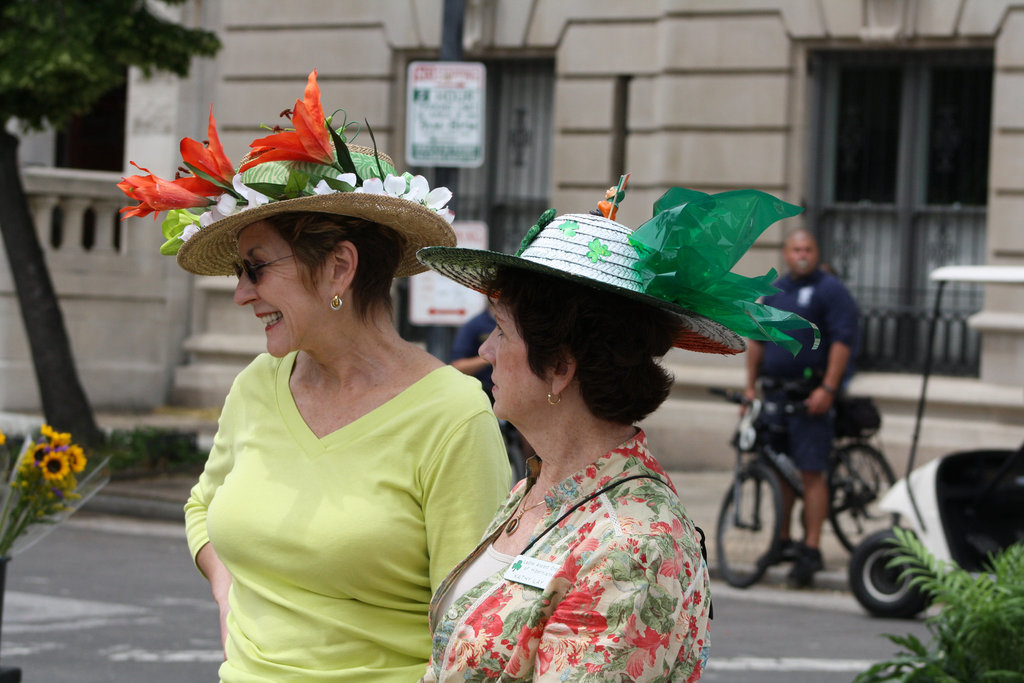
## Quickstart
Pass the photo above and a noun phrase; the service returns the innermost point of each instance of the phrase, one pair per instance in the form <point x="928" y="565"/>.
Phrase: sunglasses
<point x="252" y="270"/>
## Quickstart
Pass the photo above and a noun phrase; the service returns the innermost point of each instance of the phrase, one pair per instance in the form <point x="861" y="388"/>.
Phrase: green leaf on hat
<point x="297" y="185"/>
<point x="273" y="190"/>
<point x="338" y="185"/>
<point x="172" y="227"/>
<point x="341" y="151"/>
<point x="381" y="173"/>
<point x="534" y="230"/>
<point x="209" y="178"/>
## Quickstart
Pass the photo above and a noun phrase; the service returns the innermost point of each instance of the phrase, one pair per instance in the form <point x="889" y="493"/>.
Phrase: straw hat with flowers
<point x="311" y="168"/>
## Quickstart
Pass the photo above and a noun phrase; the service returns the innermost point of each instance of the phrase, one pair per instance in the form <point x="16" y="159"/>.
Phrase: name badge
<point x="530" y="571"/>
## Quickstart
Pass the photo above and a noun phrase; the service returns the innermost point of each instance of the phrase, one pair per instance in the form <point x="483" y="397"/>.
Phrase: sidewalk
<point x="162" y="497"/>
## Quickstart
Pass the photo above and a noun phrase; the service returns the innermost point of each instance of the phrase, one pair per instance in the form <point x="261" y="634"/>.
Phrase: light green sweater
<point x="335" y="545"/>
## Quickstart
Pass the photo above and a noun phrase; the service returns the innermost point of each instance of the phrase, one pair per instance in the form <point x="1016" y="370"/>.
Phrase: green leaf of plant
<point x="272" y="190"/>
<point x="380" y="169"/>
<point x="296" y="186"/>
<point x="344" y="158"/>
<point x="338" y="185"/>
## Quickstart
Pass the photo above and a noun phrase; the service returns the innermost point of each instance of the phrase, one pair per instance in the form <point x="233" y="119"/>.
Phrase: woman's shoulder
<point x="646" y="504"/>
<point x="263" y="368"/>
<point x="451" y="386"/>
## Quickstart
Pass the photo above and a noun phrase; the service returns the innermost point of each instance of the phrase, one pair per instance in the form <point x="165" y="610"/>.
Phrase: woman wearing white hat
<point x="592" y="569"/>
<point x="351" y="470"/>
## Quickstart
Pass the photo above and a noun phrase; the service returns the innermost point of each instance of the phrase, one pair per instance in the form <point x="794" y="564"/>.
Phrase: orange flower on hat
<point x="156" y="194"/>
<point x="208" y="162"/>
<point x="211" y="169"/>
<point x="310" y="141"/>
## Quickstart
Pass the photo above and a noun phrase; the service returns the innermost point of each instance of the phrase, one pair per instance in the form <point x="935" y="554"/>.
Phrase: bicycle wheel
<point x="858" y="477"/>
<point x="748" y="526"/>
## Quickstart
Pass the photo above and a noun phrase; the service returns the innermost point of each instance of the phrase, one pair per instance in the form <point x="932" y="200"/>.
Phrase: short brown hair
<point x="615" y="341"/>
<point x="313" y="236"/>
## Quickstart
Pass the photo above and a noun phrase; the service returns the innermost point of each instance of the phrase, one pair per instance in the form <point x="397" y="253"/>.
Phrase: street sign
<point x="436" y="300"/>
<point x="445" y="114"/>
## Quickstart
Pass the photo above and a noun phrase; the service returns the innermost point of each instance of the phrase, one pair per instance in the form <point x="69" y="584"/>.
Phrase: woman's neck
<point x="359" y="354"/>
<point x="574" y="443"/>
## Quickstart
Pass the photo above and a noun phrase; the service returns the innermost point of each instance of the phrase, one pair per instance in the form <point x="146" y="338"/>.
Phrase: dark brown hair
<point x="615" y="341"/>
<point x="313" y="236"/>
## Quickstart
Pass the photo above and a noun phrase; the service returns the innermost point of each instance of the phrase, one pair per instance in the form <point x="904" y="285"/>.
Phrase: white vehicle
<point x="962" y="506"/>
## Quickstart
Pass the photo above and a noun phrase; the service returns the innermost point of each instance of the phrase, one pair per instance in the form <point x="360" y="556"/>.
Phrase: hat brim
<point x="473" y="268"/>
<point x="214" y="249"/>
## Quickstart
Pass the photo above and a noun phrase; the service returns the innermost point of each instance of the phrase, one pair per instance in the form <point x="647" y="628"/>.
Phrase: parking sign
<point x="436" y="300"/>
<point x="445" y="114"/>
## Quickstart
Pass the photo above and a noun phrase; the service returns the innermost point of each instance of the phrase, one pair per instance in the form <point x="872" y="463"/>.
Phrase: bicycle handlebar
<point x="737" y="397"/>
<point x="730" y="396"/>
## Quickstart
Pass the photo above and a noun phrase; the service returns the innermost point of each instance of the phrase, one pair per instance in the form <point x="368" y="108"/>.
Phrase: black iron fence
<point x="885" y="255"/>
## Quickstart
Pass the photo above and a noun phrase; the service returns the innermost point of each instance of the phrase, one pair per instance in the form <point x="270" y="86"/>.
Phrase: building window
<point x="898" y="187"/>
<point x="95" y="140"/>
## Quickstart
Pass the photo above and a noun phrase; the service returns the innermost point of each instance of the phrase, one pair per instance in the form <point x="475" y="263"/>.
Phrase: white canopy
<point x="1009" y="275"/>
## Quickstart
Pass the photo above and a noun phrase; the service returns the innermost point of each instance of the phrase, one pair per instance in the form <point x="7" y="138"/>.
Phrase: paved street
<point x="104" y="600"/>
<point x="116" y="599"/>
<point x="775" y="635"/>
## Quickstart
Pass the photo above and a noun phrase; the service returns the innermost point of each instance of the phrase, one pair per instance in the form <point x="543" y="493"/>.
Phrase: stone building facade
<point x="793" y="97"/>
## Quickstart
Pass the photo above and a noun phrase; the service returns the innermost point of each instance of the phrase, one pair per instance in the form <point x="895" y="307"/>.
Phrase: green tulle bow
<point x="687" y="251"/>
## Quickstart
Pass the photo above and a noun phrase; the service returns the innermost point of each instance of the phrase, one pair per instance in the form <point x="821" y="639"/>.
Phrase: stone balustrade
<point x="74" y="210"/>
<point x="124" y="305"/>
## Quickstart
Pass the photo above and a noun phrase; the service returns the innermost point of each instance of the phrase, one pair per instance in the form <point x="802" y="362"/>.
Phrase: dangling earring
<point x="336" y="303"/>
<point x="556" y="399"/>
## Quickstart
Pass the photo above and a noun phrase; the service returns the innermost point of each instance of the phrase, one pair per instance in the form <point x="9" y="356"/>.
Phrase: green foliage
<point x="978" y="634"/>
<point x="57" y="57"/>
<point x="148" y="450"/>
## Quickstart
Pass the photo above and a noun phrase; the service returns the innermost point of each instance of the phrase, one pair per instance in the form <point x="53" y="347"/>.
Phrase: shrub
<point x="147" y="450"/>
<point x="978" y="633"/>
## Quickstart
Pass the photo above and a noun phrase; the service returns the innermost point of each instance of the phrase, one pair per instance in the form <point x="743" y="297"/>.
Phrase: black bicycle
<point x="751" y="517"/>
<point x="514" y="448"/>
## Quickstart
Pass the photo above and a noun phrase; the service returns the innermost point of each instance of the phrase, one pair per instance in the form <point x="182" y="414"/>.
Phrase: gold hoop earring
<point x="336" y="303"/>
<point x="557" y="399"/>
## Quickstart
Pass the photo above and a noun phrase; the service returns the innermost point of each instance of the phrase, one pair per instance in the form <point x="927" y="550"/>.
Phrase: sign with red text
<point x="436" y="300"/>
<point x="445" y="114"/>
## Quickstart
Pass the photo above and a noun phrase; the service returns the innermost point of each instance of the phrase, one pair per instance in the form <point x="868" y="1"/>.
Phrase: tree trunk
<point x="64" y="401"/>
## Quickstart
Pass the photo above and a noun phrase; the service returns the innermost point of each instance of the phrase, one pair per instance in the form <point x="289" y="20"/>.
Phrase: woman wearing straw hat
<point x="592" y="570"/>
<point x="351" y="470"/>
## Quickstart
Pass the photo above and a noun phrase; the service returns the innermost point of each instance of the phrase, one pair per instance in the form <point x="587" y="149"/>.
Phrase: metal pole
<point x="439" y="337"/>
<point x="928" y="361"/>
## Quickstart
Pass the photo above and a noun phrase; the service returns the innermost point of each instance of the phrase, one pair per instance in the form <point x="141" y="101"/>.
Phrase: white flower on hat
<point x="226" y="205"/>
<point x="190" y="230"/>
<point x="372" y="186"/>
<point x="324" y="188"/>
<point x="411" y="188"/>
<point x="253" y="197"/>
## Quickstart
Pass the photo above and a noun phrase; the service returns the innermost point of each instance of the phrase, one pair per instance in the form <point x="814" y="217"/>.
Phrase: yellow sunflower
<point x="54" y="466"/>
<point x="76" y="458"/>
<point x="56" y="438"/>
<point x="3" y="437"/>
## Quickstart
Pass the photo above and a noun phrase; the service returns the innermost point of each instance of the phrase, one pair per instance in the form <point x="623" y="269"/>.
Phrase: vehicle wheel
<point x="858" y="477"/>
<point x="877" y="586"/>
<point x="749" y="525"/>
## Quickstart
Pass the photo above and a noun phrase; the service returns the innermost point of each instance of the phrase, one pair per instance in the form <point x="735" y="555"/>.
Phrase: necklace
<point x="513" y="523"/>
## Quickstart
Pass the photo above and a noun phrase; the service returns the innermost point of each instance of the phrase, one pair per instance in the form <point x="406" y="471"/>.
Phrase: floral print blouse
<point x="627" y="598"/>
